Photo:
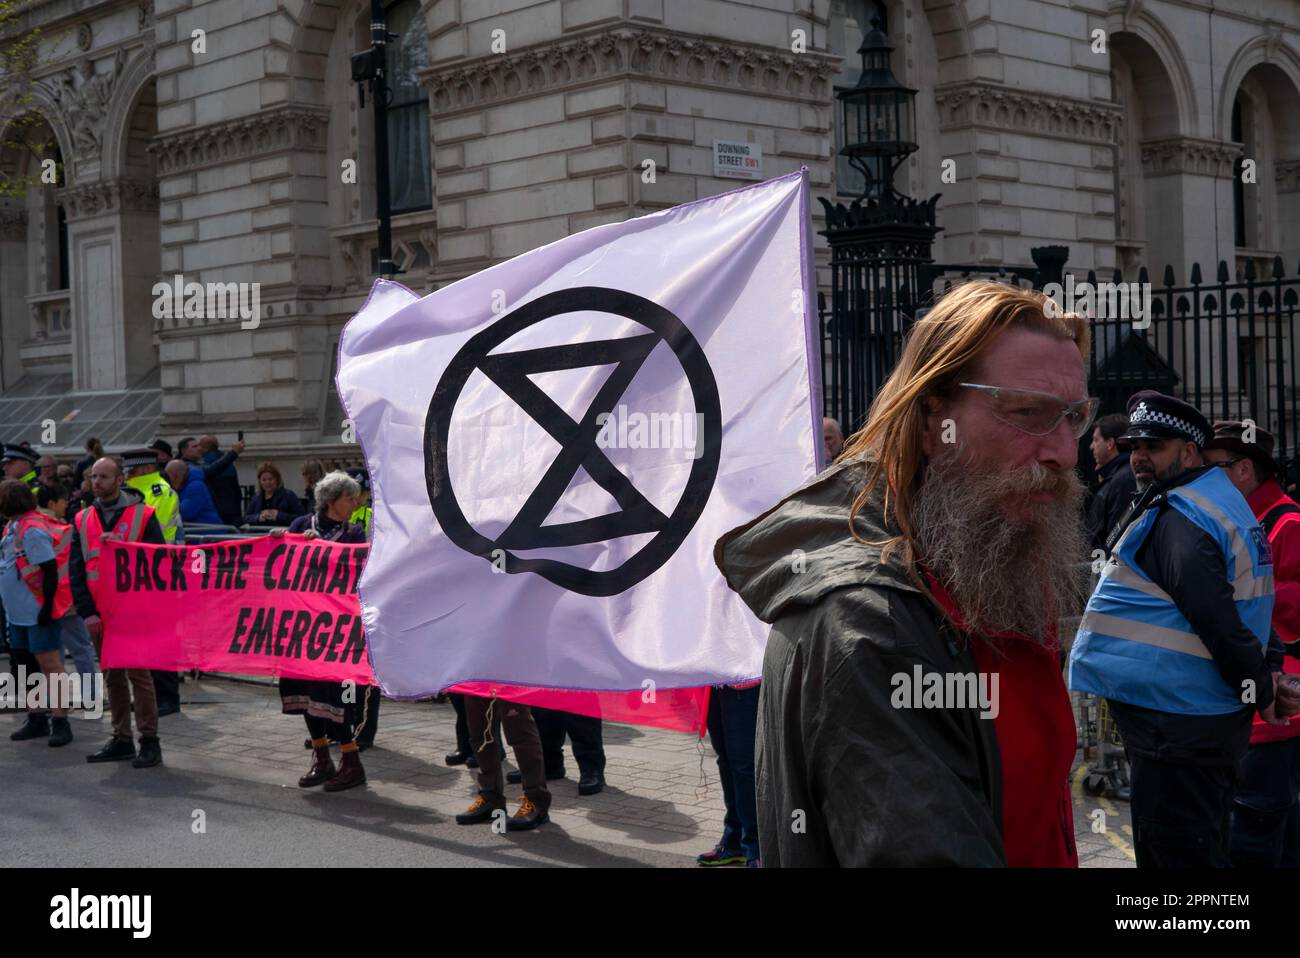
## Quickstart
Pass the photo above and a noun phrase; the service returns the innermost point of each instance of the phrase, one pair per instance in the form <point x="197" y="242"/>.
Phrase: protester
<point x="94" y="451"/>
<point x="914" y="554"/>
<point x="220" y="475"/>
<point x="1175" y="638"/>
<point x="322" y="704"/>
<point x="274" y="505"/>
<point x="47" y="470"/>
<point x="16" y="462"/>
<point x="464" y="754"/>
<point x="1115" y="483"/>
<point x="584" y="731"/>
<point x="732" y="722"/>
<point x="312" y="471"/>
<point x="163" y="449"/>
<point x="832" y="438"/>
<point x="1265" y="828"/>
<point x="52" y="503"/>
<point x="121" y="512"/>
<point x="63" y="475"/>
<point x="35" y="600"/>
<point x="195" y="500"/>
<point x="486" y="719"/>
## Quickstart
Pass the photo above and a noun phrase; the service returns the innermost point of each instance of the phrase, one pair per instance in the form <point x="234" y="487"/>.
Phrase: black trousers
<point x="462" y="724"/>
<point x="583" y="731"/>
<point x="1265" y="813"/>
<point x="1181" y="813"/>
<point x="167" y="688"/>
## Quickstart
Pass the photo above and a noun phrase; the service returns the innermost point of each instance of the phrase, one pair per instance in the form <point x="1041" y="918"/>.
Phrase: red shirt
<point x="1285" y="544"/>
<point x="1036" y="737"/>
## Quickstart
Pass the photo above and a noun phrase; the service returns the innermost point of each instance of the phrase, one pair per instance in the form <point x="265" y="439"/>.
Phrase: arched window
<point x="850" y="21"/>
<point x="410" y="185"/>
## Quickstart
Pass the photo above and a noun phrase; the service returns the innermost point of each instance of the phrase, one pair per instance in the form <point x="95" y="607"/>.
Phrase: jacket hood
<point x="801" y="548"/>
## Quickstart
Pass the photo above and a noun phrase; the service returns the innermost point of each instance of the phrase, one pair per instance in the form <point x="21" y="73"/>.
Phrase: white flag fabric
<point x="555" y="444"/>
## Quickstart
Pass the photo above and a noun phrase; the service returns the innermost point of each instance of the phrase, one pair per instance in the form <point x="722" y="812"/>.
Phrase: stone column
<point x="14" y="318"/>
<point x="113" y="247"/>
<point x="1189" y="180"/>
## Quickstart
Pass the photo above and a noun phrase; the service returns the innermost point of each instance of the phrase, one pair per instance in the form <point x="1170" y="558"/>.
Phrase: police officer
<point x="142" y="475"/>
<point x="1265" y="813"/>
<point x="364" y="512"/>
<point x="19" y="462"/>
<point x="1175" y="637"/>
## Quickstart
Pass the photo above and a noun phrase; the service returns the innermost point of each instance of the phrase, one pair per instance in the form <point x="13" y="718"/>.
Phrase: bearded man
<point x="912" y="708"/>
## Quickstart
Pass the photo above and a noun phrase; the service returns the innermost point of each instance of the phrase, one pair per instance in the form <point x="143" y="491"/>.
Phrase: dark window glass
<point x="410" y="185"/>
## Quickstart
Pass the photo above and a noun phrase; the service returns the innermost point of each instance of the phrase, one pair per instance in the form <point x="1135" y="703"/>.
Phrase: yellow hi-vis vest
<point x="362" y="516"/>
<point x="161" y="497"/>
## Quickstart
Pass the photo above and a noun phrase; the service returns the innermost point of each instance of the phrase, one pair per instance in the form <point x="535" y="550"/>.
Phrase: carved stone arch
<point x="1152" y="32"/>
<point x="135" y="75"/>
<point x="949" y="20"/>
<point x="42" y="102"/>
<point x="1261" y="50"/>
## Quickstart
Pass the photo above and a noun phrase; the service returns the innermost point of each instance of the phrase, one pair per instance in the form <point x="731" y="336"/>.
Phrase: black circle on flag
<point x="577" y="439"/>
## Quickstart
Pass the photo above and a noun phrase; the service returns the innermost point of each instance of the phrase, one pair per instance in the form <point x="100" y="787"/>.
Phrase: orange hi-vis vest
<point x="30" y="572"/>
<point x="130" y="527"/>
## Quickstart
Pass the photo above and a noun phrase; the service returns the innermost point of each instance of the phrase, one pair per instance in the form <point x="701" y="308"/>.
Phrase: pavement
<point x="227" y="795"/>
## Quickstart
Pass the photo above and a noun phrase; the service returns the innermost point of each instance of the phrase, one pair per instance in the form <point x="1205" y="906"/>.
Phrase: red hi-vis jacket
<point x="1284" y="541"/>
<point x="31" y="573"/>
<point x="130" y="527"/>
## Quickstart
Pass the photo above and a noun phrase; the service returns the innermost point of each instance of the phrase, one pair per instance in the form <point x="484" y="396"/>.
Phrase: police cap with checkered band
<point x="1153" y="415"/>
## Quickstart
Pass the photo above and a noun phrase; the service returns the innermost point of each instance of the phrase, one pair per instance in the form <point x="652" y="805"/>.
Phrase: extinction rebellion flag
<point x="555" y="444"/>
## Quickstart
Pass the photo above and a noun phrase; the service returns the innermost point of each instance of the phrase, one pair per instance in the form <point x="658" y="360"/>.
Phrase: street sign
<point x="734" y="160"/>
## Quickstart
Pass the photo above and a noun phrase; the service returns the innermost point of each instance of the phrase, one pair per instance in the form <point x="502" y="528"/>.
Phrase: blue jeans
<point x="76" y="642"/>
<point x="1265" y="815"/>
<point x="733" y="723"/>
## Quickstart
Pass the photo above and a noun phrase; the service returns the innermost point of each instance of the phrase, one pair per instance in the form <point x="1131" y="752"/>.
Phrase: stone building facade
<point x="211" y="139"/>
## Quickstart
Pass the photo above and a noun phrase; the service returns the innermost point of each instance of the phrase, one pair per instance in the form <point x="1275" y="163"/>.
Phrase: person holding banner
<point x="34" y="588"/>
<point x="116" y="512"/>
<point x="322" y="704"/>
<point x="52" y="503"/>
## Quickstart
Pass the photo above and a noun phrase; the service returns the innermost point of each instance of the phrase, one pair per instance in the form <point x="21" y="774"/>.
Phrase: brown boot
<point x="322" y="769"/>
<point x="350" y="775"/>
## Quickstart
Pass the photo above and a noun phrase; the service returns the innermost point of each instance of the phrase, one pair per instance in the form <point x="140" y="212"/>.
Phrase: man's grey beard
<point x="1006" y="573"/>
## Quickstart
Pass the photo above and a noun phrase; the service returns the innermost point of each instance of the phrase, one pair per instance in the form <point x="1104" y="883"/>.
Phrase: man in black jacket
<point x="112" y="499"/>
<point x="1115" y="483"/>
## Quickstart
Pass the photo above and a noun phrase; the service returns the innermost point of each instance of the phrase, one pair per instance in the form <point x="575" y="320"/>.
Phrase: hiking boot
<point x="36" y="725"/>
<point x="60" y="732"/>
<point x="322" y="769"/>
<point x="721" y="856"/>
<point x="350" y="773"/>
<point x="150" y="753"/>
<point x="528" y="817"/>
<point x="480" y="811"/>
<point x="117" y="750"/>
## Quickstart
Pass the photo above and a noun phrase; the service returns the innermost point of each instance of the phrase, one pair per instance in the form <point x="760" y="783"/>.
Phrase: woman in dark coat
<point x="274" y="505"/>
<point x="321" y="703"/>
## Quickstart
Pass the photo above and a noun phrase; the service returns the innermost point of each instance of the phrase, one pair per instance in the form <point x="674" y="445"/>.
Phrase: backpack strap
<point x="1270" y="518"/>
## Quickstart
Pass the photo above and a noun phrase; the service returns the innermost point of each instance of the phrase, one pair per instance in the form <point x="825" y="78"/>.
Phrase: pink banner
<point x="288" y="606"/>
<point x="266" y="606"/>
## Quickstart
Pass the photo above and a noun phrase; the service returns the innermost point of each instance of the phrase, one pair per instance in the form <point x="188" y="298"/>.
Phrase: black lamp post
<point x="879" y="116"/>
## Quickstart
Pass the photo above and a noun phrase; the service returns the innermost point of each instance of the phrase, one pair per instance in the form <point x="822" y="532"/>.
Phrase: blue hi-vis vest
<point x="1135" y="646"/>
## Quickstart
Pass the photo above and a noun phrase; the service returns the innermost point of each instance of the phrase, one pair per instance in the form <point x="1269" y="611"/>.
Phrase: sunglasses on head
<point x="1037" y="413"/>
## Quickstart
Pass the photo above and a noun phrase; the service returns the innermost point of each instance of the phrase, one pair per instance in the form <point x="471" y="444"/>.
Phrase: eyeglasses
<point x="1227" y="463"/>
<point x="1037" y="413"/>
